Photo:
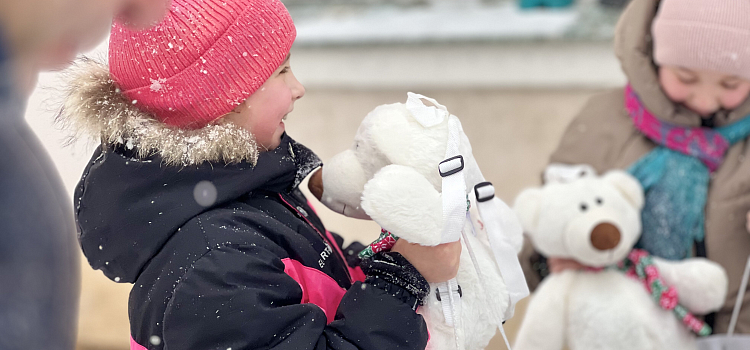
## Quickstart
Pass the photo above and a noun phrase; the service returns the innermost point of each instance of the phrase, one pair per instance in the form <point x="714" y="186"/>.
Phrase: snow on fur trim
<point x="94" y="107"/>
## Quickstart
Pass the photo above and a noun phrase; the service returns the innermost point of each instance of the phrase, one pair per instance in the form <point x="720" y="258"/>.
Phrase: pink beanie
<point x="704" y="34"/>
<point x="205" y="58"/>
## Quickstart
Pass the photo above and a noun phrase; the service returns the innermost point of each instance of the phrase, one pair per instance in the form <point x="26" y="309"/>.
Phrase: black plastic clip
<point x="452" y="170"/>
<point x="437" y="293"/>
<point x="482" y="194"/>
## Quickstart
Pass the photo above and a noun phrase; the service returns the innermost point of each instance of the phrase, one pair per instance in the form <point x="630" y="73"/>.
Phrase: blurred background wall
<point x="514" y="76"/>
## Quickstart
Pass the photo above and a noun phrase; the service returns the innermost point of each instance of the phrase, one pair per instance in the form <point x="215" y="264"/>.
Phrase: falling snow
<point x="205" y="193"/>
<point x="154" y="340"/>
<point x="156" y="85"/>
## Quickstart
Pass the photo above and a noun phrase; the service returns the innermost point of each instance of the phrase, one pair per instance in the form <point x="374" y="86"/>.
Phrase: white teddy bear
<point x="391" y="175"/>
<point x="596" y="221"/>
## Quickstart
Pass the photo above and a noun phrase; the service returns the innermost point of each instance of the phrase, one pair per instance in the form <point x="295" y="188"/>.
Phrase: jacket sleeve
<point x="241" y="298"/>
<point x="351" y="252"/>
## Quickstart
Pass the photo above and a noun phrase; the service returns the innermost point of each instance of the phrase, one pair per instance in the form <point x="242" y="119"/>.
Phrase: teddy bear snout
<point x="605" y="236"/>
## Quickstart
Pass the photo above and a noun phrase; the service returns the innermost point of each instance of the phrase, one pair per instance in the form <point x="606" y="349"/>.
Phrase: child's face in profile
<point x="263" y="113"/>
<point x="704" y="92"/>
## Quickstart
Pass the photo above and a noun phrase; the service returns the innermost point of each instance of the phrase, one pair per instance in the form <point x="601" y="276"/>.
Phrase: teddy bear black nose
<point x="605" y="236"/>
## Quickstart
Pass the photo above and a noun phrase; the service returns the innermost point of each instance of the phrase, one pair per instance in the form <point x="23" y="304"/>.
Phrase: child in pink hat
<point x="681" y="126"/>
<point x="193" y="195"/>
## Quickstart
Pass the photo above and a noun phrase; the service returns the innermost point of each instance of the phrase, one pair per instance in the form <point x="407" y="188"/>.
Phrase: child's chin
<point x="273" y="144"/>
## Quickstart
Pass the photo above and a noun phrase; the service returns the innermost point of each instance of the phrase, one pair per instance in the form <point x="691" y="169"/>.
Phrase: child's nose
<point x="298" y="90"/>
<point x="706" y="104"/>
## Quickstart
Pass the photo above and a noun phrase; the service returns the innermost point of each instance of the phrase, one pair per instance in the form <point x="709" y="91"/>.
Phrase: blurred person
<point x="39" y="270"/>
<point x="193" y="196"/>
<point x="681" y="127"/>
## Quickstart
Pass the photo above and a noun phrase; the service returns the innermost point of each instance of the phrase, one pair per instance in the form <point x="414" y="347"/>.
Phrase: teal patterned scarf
<point x="675" y="177"/>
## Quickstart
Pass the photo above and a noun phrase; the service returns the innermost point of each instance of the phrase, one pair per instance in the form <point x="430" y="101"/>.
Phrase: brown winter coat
<point x="603" y="136"/>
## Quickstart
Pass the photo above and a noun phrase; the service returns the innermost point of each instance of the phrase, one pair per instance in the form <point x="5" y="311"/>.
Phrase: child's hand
<point x="557" y="265"/>
<point x="436" y="264"/>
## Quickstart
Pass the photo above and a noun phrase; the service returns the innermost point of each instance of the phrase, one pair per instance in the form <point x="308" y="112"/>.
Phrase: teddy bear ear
<point x="527" y="207"/>
<point x="628" y="185"/>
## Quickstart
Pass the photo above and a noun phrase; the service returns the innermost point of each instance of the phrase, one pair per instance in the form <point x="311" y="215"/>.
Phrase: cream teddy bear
<point x="596" y="221"/>
<point x="412" y="171"/>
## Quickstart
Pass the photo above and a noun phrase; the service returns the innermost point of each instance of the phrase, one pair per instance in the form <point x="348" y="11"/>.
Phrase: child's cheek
<point x="279" y="101"/>
<point x="675" y="90"/>
<point x="733" y="99"/>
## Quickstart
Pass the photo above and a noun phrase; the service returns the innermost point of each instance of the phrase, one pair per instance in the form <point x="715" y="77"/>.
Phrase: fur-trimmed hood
<point x="94" y="107"/>
<point x="127" y="208"/>
<point x="147" y="180"/>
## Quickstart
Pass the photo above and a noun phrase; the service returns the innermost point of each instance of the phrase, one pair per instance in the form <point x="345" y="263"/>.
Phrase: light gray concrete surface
<point x="497" y="65"/>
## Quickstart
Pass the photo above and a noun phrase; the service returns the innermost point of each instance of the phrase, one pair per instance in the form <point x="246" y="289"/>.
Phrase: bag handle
<point x="428" y="116"/>
<point x="740" y="297"/>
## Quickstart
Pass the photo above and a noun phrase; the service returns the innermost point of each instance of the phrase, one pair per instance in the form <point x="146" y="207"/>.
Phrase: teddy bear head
<point x="594" y="220"/>
<point x="390" y="134"/>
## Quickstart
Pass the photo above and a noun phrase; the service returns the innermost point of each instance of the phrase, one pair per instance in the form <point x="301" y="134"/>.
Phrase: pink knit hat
<point x="704" y="34"/>
<point x="203" y="60"/>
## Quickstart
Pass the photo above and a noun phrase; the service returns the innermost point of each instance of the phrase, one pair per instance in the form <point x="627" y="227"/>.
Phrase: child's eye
<point x="686" y="77"/>
<point x="730" y="85"/>
<point x="687" y="80"/>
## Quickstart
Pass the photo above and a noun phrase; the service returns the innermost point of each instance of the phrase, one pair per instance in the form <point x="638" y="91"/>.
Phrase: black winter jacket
<point x="232" y="257"/>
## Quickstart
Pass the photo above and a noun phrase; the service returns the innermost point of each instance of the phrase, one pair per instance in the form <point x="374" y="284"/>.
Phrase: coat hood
<point x="128" y="207"/>
<point x="147" y="179"/>
<point x="634" y="48"/>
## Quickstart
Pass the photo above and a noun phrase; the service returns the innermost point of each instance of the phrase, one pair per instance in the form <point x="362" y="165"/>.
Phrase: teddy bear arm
<point x="403" y="201"/>
<point x="543" y="326"/>
<point x="701" y="284"/>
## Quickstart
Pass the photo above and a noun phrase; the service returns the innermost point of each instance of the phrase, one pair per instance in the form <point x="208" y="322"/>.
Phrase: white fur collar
<point x="95" y="107"/>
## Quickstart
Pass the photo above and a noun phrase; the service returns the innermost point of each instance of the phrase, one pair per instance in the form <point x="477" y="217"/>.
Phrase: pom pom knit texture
<point x="204" y="59"/>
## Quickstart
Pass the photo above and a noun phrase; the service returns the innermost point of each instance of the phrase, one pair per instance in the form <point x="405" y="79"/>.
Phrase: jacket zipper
<point x="323" y="236"/>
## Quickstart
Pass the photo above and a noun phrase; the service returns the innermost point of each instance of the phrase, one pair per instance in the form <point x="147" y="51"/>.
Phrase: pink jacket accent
<point x="135" y="346"/>
<point x="317" y="287"/>
<point x="356" y="272"/>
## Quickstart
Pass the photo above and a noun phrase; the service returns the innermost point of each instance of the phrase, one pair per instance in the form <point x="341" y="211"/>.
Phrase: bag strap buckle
<point x="450" y="166"/>
<point x="484" y="191"/>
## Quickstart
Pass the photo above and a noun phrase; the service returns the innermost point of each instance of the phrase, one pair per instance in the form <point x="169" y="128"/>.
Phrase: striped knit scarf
<point x="675" y="177"/>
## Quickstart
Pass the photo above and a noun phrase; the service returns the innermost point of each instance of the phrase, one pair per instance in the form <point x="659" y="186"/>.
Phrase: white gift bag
<point x="730" y="341"/>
